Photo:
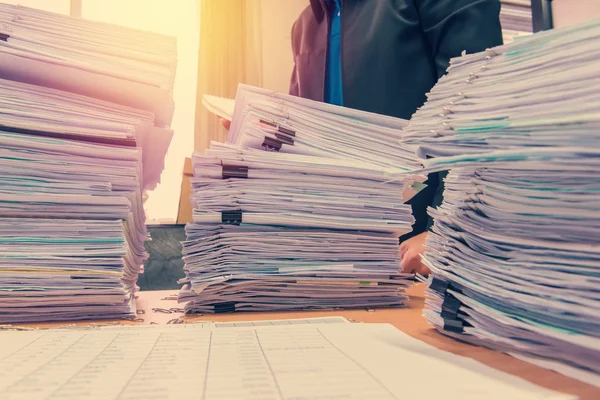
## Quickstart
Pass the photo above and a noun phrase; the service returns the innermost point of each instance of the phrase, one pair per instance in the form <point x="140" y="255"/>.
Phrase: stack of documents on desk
<point x="516" y="19"/>
<point x="73" y="170"/>
<point x="514" y="249"/>
<point x="289" y="124"/>
<point x="107" y="62"/>
<point x="73" y="195"/>
<point x="84" y="200"/>
<point x="276" y="231"/>
<point x="57" y="270"/>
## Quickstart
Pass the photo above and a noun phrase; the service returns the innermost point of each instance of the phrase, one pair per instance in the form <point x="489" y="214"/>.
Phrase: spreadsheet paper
<point x="207" y="361"/>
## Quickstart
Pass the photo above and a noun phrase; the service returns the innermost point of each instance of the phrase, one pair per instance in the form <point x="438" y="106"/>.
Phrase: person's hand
<point x="226" y="123"/>
<point x="410" y="253"/>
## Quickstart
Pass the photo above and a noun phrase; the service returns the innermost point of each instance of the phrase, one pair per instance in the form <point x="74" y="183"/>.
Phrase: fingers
<point x="226" y="123"/>
<point x="403" y="247"/>
<point x="409" y="262"/>
<point x="407" y="244"/>
<point x="424" y="270"/>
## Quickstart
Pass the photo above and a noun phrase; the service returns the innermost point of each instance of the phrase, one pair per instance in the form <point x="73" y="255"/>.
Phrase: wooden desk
<point x="408" y="320"/>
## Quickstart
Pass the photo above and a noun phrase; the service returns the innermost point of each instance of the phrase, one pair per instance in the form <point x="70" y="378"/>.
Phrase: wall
<point x="56" y="6"/>
<point x="277" y="18"/>
<point x="567" y="12"/>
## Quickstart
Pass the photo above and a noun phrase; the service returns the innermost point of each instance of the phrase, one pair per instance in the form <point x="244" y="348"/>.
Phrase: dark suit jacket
<point x="393" y="52"/>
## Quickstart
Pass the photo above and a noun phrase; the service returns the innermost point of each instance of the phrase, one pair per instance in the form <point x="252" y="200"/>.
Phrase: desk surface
<point x="408" y="320"/>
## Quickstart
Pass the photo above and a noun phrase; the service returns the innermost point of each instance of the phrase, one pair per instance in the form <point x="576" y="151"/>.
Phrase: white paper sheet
<point x="308" y="361"/>
<point x="220" y="106"/>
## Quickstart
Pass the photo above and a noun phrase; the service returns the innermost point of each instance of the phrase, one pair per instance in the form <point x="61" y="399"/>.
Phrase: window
<point x="180" y="18"/>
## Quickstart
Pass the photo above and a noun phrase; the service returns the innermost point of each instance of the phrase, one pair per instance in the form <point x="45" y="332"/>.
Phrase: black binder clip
<point x="281" y="129"/>
<point x="439" y="285"/>
<point x="231" y="217"/>
<point x="271" y="144"/>
<point x="227" y="307"/>
<point x="285" y="139"/>
<point x="283" y="134"/>
<point x="4" y="37"/>
<point x="270" y="123"/>
<point x="450" y="306"/>
<point x="286" y="131"/>
<point x="233" y="171"/>
<point x="102" y="140"/>
<point x="454" y="325"/>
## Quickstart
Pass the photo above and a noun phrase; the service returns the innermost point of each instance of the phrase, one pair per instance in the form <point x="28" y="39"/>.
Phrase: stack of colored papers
<point x="73" y="172"/>
<point x="514" y="249"/>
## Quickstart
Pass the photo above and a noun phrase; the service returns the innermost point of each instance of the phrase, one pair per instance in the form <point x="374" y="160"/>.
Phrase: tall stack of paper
<point x="276" y="231"/>
<point x="514" y="249"/>
<point x="108" y="62"/>
<point x="312" y="223"/>
<point x="516" y="19"/>
<point x="72" y="174"/>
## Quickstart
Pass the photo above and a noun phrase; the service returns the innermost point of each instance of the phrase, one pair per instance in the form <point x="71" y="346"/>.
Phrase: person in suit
<point x="384" y="56"/>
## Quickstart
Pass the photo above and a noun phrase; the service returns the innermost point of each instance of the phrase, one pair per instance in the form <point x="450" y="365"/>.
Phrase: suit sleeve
<point x="454" y="26"/>
<point x="294" y="83"/>
<point x="294" y="90"/>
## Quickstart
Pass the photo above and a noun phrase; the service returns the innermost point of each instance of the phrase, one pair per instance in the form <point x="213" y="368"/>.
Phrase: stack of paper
<point x="514" y="249"/>
<point x="108" y="62"/>
<point x="83" y="199"/>
<point x="56" y="269"/>
<point x="72" y="174"/>
<point x="289" y="124"/>
<point x="288" y="189"/>
<point x="276" y="231"/>
<point x="37" y="111"/>
<point x="516" y="19"/>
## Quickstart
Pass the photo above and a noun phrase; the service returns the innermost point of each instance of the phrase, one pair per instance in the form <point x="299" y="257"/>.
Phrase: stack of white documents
<point x="57" y="269"/>
<point x="37" y="111"/>
<point x="514" y="249"/>
<point x="277" y="231"/>
<point x="82" y="198"/>
<point x="73" y="170"/>
<point x="516" y="19"/>
<point x="288" y="189"/>
<point x="107" y="62"/>
<point x="288" y="124"/>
